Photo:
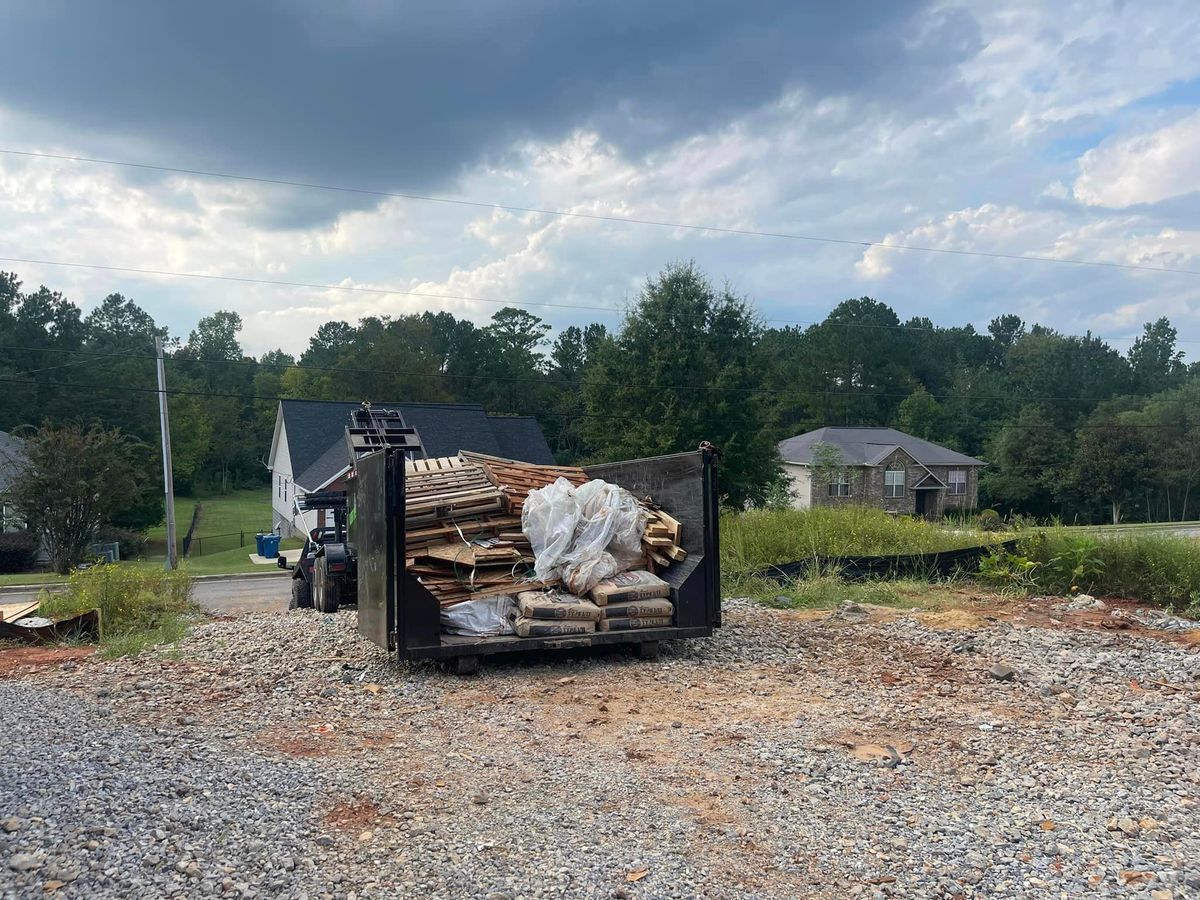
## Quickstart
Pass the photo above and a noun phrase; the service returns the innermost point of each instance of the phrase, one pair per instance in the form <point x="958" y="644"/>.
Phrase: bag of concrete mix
<point x="557" y="605"/>
<point x="629" y="586"/>
<point x="629" y="623"/>
<point x="655" y="608"/>
<point x="525" y="627"/>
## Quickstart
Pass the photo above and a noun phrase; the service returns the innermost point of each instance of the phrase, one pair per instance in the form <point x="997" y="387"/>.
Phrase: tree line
<point x="1069" y="425"/>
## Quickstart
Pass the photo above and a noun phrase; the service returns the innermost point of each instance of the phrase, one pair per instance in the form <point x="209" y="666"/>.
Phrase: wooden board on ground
<point x="10" y="612"/>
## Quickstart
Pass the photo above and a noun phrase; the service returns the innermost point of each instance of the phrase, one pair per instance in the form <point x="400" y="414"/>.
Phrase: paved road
<point x="257" y="593"/>
<point x="254" y="593"/>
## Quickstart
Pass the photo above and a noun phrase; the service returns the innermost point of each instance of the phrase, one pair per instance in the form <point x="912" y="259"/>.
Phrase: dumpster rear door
<point x="376" y="528"/>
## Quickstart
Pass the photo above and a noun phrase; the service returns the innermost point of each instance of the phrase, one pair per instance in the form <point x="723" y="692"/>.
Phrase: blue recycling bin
<point x="258" y="543"/>
<point x="270" y="544"/>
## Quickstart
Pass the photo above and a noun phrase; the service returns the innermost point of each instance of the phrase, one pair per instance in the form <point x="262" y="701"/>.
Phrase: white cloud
<point x="1143" y="168"/>
<point x="970" y="173"/>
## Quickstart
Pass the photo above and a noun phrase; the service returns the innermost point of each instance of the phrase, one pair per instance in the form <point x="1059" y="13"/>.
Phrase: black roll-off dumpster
<point x="399" y="613"/>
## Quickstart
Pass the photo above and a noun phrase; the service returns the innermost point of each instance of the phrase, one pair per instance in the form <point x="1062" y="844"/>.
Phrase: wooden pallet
<point x="448" y="488"/>
<point x="517" y="479"/>
<point x="470" y="527"/>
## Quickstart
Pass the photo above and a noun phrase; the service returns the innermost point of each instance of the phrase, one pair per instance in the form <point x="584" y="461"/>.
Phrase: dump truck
<point x="410" y="522"/>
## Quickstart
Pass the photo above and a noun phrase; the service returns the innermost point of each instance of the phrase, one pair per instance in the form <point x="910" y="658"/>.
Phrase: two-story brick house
<point x="879" y="467"/>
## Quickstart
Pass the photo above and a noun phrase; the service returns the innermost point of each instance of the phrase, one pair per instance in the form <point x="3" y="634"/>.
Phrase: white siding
<point x="800" y="484"/>
<point x="282" y="518"/>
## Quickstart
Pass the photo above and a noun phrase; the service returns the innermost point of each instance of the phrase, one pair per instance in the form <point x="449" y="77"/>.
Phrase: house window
<point x="839" y="485"/>
<point x="893" y="483"/>
<point x="957" y="481"/>
<point x="285" y="486"/>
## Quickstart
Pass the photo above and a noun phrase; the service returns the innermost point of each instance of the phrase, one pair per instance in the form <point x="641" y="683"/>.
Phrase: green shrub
<point x="989" y="520"/>
<point x="132" y="600"/>
<point x="18" y="551"/>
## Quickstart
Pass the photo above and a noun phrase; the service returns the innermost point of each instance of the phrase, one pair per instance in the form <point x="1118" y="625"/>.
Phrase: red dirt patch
<point x="357" y="815"/>
<point x="18" y="658"/>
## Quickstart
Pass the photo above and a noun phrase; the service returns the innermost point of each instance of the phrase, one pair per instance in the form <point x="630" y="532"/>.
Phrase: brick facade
<point x="867" y="485"/>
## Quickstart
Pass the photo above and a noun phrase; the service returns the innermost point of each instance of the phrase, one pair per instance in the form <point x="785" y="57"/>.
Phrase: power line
<point x="391" y="373"/>
<point x="599" y="217"/>
<point x="506" y="302"/>
<point x="624" y="418"/>
<point x="271" y="398"/>
<point x="294" y="284"/>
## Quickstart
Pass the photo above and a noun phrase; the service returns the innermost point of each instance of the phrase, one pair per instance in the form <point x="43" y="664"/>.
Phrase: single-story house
<point x="880" y="467"/>
<point x="308" y="448"/>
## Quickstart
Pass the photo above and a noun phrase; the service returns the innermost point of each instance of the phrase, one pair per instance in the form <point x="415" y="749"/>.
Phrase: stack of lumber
<point x="457" y="570"/>
<point x="517" y="479"/>
<point x="447" y="488"/>
<point x="663" y="539"/>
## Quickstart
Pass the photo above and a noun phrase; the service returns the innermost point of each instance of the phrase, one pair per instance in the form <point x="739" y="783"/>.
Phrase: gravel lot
<point x="865" y="753"/>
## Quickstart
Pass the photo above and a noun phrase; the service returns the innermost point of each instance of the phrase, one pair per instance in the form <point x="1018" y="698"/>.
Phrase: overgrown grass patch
<point x="753" y="540"/>
<point x="1155" y="568"/>
<point x="139" y="607"/>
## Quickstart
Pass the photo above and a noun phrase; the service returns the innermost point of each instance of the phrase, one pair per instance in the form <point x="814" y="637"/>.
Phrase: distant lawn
<point x="231" y="562"/>
<point x="245" y="510"/>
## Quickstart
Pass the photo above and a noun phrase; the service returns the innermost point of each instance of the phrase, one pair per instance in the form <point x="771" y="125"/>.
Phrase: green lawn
<point x="246" y="510"/>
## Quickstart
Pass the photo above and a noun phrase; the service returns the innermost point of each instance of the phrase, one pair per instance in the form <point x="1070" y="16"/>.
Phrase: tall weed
<point x="1156" y="568"/>
<point x="137" y="605"/>
<point x="753" y="540"/>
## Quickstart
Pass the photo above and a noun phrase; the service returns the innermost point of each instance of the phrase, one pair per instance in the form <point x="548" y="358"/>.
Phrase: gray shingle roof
<point x="316" y="434"/>
<point x="869" y="446"/>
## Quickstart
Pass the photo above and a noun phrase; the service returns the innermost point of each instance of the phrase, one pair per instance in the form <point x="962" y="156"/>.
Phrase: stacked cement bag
<point x="553" y="614"/>
<point x="633" y="600"/>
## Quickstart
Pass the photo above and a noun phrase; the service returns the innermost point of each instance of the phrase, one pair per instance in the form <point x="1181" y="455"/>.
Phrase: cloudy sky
<point x="1060" y="129"/>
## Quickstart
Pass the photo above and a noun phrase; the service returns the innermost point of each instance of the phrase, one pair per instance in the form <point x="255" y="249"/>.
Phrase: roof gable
<point x="316" y="431"/>
<point x="869" y="446"/>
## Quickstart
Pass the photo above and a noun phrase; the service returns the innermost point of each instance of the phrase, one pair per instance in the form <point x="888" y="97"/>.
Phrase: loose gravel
<point x="865" y="753"/>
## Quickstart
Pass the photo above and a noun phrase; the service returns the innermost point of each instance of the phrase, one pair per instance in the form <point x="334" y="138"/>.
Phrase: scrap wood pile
<point x="517" y="479"/>
<point x="464" y="537"/>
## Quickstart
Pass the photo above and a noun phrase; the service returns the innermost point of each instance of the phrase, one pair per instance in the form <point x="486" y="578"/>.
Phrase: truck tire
<point x="329" y="594"/>
<point x="463" y="665"/>
<point x="646" y="650"/>
<point x="301" y="594"/>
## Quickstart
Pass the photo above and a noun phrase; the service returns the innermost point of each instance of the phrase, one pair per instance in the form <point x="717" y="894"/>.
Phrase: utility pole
<point x="168" y="470"/>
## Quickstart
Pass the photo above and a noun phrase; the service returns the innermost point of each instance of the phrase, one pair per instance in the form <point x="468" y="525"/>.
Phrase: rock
<point x="324" y="841"/>
<point x="11" y="824"/>
<point x="479" y="799"/>
<point x="1001" y="672"/>
<point x="1129" y="827"/>
<point x="53" y="885"/>
<point x="25" y="862"/>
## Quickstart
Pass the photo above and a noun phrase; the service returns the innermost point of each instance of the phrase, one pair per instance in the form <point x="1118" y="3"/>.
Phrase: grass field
<point x="248" y="511"/>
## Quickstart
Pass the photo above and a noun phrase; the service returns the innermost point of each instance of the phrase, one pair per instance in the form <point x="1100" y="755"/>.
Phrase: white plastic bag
<point x="583" y="535"/>
<point x="480" y="618"/>
<point x="548" y="519"/>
